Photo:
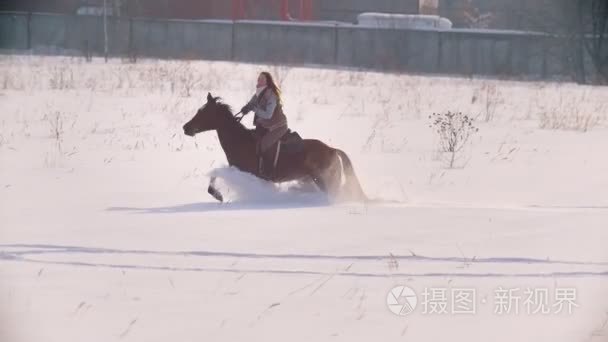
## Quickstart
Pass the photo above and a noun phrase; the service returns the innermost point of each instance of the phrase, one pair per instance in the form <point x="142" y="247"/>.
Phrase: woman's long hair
<point x="272" y="85"/>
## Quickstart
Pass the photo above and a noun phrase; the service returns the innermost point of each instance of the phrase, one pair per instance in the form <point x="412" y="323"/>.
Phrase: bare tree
<point x="580" y="30"/>
<point x="576" y="42"/>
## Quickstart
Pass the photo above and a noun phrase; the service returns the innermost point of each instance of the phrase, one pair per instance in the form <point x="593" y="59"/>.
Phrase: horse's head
<point x="206" y="118"/>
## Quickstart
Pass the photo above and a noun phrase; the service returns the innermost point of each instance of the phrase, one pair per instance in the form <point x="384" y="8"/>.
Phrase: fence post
<point x="335" y="44"/>
<point x="509" y="62"/>
<point x="29" y="30"/>
<point x="131" y="47"/>
<point x="544" y="67"/>
<point x="232" y="43"/>
<point x="105" y="30"/>
<point x="439" y="51"/>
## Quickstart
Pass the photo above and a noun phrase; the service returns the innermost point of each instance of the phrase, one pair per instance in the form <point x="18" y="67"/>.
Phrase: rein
<point x="239" y="118"/>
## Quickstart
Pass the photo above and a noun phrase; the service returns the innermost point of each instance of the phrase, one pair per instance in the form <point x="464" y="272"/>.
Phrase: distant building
<point x="496" y="14"/>
<point x="328" y="10"/>
<point x="348" y="11"/>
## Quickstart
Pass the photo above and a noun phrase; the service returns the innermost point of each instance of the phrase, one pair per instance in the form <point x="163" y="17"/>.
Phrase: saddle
<point x="291" y="142"/>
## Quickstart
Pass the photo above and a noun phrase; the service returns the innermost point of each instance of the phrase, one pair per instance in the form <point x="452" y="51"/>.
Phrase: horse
<point x="314" y="161"/>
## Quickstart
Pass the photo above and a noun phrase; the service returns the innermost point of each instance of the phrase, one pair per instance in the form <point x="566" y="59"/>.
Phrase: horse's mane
<point x="224" y="106"/>
<point x="227" y="111"/>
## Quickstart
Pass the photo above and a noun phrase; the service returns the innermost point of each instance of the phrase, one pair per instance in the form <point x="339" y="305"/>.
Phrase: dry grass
<point x="490" y="98"/>
<point x="173" y="90"/>
<point x="575" y="113"/>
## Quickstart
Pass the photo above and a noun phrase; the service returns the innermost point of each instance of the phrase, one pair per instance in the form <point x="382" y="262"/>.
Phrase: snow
<point x="107" y="231"/>
<point x="403" y="21"/>
<point x="239" y="187"/>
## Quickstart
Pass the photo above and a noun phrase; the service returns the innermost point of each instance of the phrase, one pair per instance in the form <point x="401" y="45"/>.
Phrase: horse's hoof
<point x="215" y="193"/>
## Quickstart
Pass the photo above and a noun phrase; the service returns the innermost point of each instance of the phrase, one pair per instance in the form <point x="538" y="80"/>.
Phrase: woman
<point x="270" y="121"/>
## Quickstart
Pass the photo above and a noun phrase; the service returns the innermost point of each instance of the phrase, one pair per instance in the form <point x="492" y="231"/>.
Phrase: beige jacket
<point x="268" y="110"/>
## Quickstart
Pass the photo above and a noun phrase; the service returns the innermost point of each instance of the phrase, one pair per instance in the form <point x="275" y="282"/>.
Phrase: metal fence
<point x="461" y="52"/>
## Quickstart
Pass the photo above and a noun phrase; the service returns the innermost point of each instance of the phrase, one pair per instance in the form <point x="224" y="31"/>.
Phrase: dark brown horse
<point x="314" y="162"/>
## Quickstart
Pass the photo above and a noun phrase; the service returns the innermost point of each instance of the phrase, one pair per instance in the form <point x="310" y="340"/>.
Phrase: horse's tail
<point x="352" y="182"/>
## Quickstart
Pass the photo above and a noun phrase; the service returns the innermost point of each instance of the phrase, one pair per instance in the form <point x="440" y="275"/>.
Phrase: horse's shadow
<point x="214" y="206"/>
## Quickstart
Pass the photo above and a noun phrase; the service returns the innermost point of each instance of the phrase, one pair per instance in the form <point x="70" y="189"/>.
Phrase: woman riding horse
<point x="270" y="121"/>
<point x="329" y="168"/>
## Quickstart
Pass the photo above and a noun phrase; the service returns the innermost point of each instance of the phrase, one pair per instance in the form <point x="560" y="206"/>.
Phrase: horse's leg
<point x="327" y="176"/>
<point x="333" y="177"/>
<point x="213" y="191"/>
<point x="320" y="183"/>
<point x="304" y="185"/>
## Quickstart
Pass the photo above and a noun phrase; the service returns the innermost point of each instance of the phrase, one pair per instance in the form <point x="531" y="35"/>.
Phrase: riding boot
<point x="268" y="168"/>
<point x="260" y="157"/>
<point x="266" y="163"/>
